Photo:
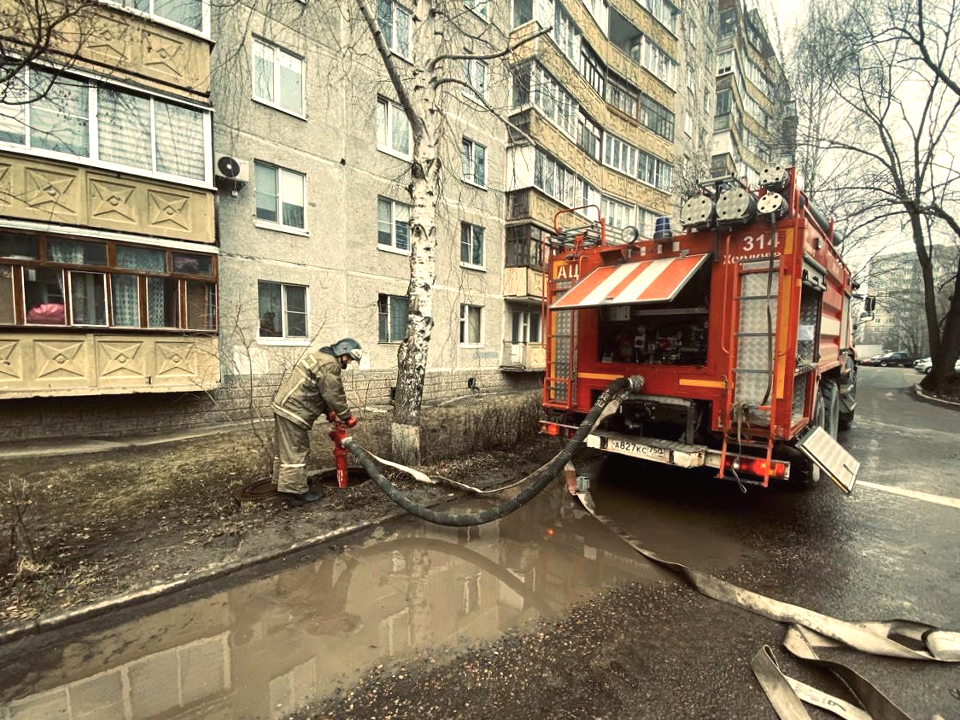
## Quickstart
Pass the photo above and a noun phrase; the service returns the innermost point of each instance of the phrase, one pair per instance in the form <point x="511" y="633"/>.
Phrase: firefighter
<point x="313" y="388"/>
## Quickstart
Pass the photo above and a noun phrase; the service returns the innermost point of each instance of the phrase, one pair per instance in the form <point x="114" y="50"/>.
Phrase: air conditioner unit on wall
<point x="230" y="168"/>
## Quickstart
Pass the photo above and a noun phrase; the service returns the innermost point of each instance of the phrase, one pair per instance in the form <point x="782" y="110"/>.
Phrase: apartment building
<point x="314" y="222"/>
<point x="108" y="263"/>
<point x="755" y="122"/>
<point x="899" y="321"/>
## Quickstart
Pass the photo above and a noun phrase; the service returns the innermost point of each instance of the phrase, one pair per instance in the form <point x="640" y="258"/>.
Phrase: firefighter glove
<point x="331" y="416"/>
<point x="351" y="422"/>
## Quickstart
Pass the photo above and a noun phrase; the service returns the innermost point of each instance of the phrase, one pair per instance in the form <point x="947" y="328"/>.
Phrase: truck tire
<point x="846" y="418"/>
<point x="831" y="406"/>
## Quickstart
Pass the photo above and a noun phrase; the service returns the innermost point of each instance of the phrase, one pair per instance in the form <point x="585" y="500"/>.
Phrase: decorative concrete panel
<point x="11" y="361"/>
<point x="48" y="190"/>
<point x="121" y="360"/>
<point x="42" y="364"/>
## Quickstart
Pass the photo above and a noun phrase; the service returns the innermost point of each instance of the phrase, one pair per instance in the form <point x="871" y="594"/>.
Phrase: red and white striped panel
<point x="647" y="281"/>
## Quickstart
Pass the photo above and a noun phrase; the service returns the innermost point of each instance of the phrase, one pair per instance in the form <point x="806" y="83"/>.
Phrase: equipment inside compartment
<point x="666" y="333"/>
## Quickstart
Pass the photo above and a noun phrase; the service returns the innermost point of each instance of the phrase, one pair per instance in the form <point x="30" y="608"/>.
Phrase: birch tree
<point x="445" y="40"/>
<point x="897" y="70"/>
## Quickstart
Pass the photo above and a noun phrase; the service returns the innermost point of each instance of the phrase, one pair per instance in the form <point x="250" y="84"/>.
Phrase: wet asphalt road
<point x="546" y="613"/>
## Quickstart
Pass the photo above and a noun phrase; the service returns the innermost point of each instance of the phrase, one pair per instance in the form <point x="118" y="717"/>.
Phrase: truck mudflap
<point x="830" y="456"/>
<point x="666" y="452"/>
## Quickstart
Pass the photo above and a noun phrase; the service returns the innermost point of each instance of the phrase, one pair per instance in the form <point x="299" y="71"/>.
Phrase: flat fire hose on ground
<point x="807" y="630"/>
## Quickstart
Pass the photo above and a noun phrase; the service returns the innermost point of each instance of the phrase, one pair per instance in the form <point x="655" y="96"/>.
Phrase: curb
<point x="208" y="573"/>
<point x="924" y="397"/>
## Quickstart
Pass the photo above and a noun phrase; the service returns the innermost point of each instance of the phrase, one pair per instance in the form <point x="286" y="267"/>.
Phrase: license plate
<point x="647" y="452"/>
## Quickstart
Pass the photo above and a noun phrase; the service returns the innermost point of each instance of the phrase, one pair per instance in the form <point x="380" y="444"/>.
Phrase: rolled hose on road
<point x="539" y="478"/>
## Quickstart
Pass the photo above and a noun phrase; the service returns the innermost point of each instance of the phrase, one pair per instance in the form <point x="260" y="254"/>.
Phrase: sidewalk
<point x="82" y="446"/>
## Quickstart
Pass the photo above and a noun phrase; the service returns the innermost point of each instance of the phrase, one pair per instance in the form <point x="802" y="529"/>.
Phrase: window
<point x="656" y="117"/>
<point x="393" y="128"/>
<point x="79" y="283"/>
<point x="522" y="12"/>
<point x="475" y="75"/>
<point x="131" y="131"/>
<point x="524" y="246"/>
<point x="664" y="12"/>
<point x="555" y="179"/>
<point x="592" y="69"/>
<point x="691" y="78"/>
<point x="599" y="10"/>
<point x="392" y="311"/>
<point x="728" y="21"/>
<point x="622" y="95"/>
<point x="565" y="32"/>
<point x="474" y="163"/>
<point x="526" y="327"/>
<point x="393" y="224"/>
<point x="188" y="13"/>
<point x="589" y="136"/>
<point x="654" y="171"/>
<point x="646" y="222"/>
<point x="725" y="62"/>
<point x="687" y="123"/>
<point x="723" y="102"/>
<point x="279" y="195"/>
<point x="471" y="245"/>
<point x="756" y="76"/>
<point x="394" y="22"/>
<point x="471" y="320"/>
<point x="283" y="310"/>
<point x="478" y="6"/>
<point x="616" y="213"/>
<point x="533" y="84"/>
<point x="659" y="63"/>
<point x="277" y="78"/>
<point x="619" y="155"/>
<point x="691" y="32"/>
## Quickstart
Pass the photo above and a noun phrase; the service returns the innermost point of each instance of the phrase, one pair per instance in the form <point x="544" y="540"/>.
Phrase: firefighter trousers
<point x="291" y="447"/>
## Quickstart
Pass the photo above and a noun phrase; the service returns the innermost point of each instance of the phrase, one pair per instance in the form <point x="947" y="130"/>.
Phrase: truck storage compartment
<point x="674" y="332"/>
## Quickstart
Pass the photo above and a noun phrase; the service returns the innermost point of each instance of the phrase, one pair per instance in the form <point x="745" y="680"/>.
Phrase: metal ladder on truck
<point x="751" y="341"/>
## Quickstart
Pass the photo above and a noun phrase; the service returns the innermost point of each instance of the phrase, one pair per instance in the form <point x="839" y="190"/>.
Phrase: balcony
<point x="523" y="357"/>
<point x="58" y="364"/>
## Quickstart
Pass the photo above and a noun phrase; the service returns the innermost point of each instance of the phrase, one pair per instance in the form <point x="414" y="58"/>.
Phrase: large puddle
<point x="262" y="647"/>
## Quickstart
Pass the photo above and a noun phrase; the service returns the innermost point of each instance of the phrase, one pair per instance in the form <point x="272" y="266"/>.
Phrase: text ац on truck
<point x="740" y="328"/>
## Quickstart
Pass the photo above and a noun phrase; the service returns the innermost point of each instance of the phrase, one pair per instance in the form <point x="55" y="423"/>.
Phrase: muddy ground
<point x="80" y="529"/>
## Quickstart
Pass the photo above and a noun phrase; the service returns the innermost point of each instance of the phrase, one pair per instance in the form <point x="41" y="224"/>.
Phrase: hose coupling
<point x="635" y="383"/>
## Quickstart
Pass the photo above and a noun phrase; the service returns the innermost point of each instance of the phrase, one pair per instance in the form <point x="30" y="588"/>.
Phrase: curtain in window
<point x="401" y="131"/>
<point x="265" y="178"/>
<point x="123" y="128"/>
<point x="66" y="251"/>
<point x="162" y="303"/>
<point x="7" y="314"/>
<point x="473" y="324"/>
<point x="291" y="185"/>
<point x="263" y="71"/>
<point x="126" y="300"/>
<point x="180" y="148"/>
<point x="88" y="303"/>
<point x="271" y="310"/>
<point x="291" y="83"/>
<point x="141" y="259"/>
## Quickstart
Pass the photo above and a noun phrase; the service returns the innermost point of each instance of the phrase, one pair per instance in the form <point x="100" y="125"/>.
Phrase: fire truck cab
<point x="740" y="328"/>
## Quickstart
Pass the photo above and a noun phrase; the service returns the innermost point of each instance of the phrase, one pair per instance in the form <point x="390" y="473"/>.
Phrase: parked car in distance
<point x="926" y="365"/>
<point x="890" y="359"/>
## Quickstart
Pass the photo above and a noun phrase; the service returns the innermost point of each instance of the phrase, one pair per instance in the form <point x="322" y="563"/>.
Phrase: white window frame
<point x="478" y="8"/>
<point x="687" y="123"/>
<point x="472" y="229"/>
<point x="278" y="54"/>
<point x="473" y="71"/>
<point x="284" y="338"/>
<point x="278" y="224"/>
<point x="388" y="114"/>
<point x="619" y="155"/>
<point x="465" y="309"/>
<point x="523" y="317"/>
<point x="394" y="43"/>
<point x="389" y="302"/>
<point x="623" y="213"/>
<point x="92" y="159"/>
<point x="726" y="60"/>
<point x="392" y="247"/>
<point x="203" y="32"/>
<point x="468" y="150"/>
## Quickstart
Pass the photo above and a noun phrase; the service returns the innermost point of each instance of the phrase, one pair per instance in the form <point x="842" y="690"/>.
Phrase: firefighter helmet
<point x="348" y="346"/>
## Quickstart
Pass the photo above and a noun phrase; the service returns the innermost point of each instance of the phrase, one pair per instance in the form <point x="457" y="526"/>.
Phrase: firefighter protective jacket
<point x="313" y="388"/>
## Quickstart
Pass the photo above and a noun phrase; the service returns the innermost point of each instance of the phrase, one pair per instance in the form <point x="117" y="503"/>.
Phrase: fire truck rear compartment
<point x="661" y="333"/>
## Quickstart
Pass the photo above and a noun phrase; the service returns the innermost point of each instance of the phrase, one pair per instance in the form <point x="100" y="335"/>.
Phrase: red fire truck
<point x="740" y="328"/>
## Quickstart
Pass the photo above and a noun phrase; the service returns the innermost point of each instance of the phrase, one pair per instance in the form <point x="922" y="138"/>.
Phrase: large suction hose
<point x="539" y="478"/>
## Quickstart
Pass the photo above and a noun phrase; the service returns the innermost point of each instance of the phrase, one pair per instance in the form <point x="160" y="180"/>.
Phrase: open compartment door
<point x="839" y="465"/>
